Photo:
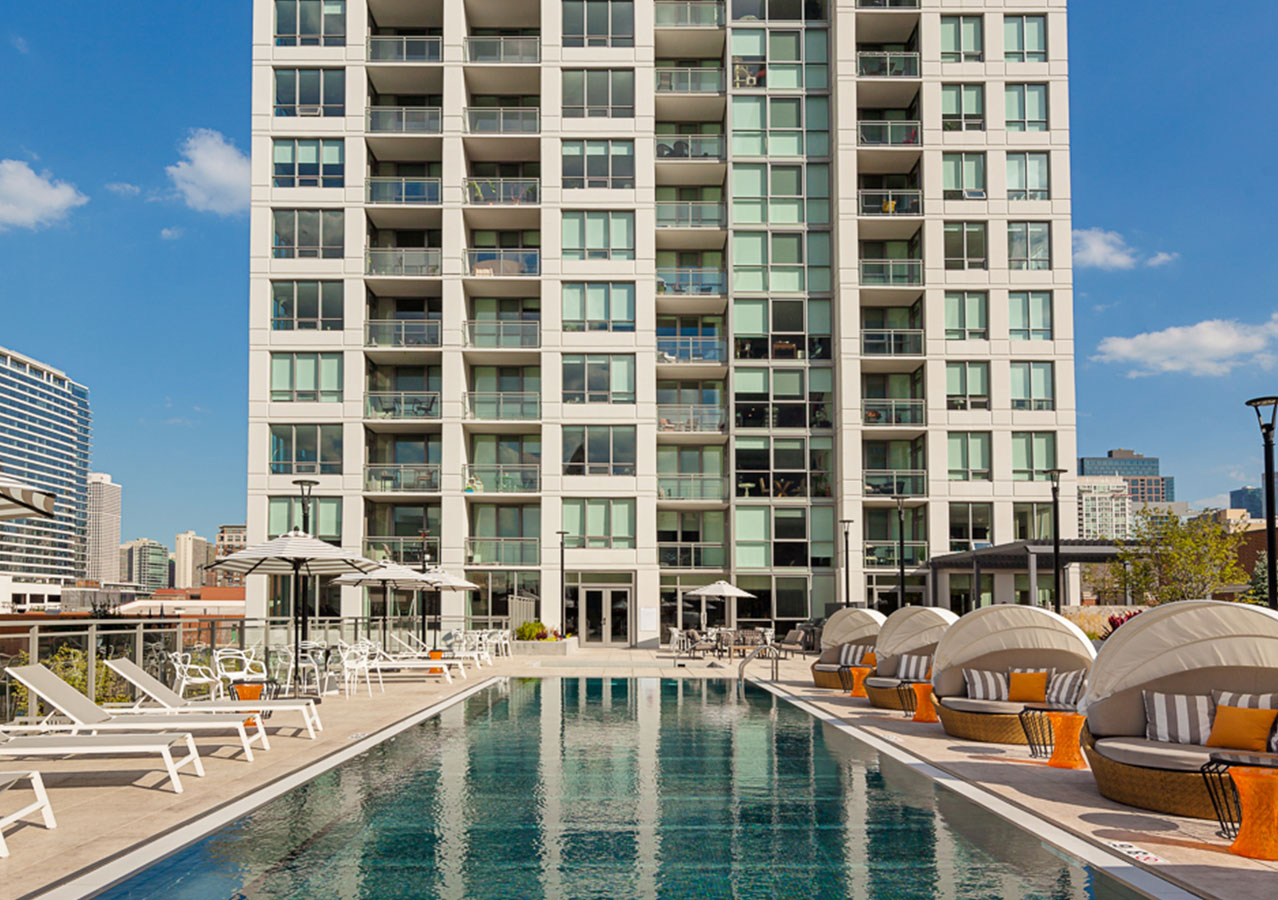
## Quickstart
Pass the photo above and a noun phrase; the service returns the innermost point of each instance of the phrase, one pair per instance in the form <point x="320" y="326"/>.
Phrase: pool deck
<point x="109" y="807"/>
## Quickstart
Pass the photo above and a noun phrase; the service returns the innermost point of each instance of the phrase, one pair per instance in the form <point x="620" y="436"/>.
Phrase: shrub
<point x="1116" y="620"/>
<point x="530" y="631"/>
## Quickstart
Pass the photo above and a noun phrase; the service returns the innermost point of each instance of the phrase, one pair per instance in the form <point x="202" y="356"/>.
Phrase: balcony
<point x="483" y="551"/>
<point x="890" y="203"/>
<point x="405" y="120"/>
<point x="898" y="413"/>
<point x="499" y="479"/>
<point x="685" y="418"/>
<point x="691" y="555"/>
<point x="503" y="49"/>
<point x="896" y="133"/>
<point x="503" y="120"/>
<point x="402" y="333"/>
<point x="503" y="263"/>
<point x="401" y="405"/>
<point x="688" y="14"/>
<point x="895" y="482"/>
<point x="405" y="479"/>
<point x="891" y="272"/>
<point x="405" y="48"/>
<point x="692" y="351"/>
<point x="892" y="342"/>
<point x="692" y="280"/>
<point x="503" y="335"/>
<point x="691" y="214"/>
<point x="883" y="554"/>
<point x="881" y="64"/>
<point x="692" y="486"/>
<point x="403" y="190"/>
<point x="417" y="262"/>
<point x="503" y="191"/>
<point x="503" y="406"/>
<point x="406" y="551"/>
<point x="887" y="4"/>
<point x="690" y="81"/>
<point x="690" y="146"/>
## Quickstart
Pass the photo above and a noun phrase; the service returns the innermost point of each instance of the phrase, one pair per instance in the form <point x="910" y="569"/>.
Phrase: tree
<point x="1168" y="559"/>
<point x="1259" y="592"/>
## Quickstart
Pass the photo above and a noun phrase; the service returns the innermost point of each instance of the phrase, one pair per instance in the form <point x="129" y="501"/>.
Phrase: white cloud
<point x="1218" y="501"/>
<point x="1212" y="347"/>
<point x="213" y="175"/>
<point x="1161" y="259"/>
<point x="124" y="189"/>
<point x="19" y="43"/>
<point x="1096" y="248"/>
<point x="170" y="234"/>
<point x="31" y="200"/>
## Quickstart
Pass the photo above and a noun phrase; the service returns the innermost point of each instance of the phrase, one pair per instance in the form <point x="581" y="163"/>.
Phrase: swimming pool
<point x="616" y="788"/>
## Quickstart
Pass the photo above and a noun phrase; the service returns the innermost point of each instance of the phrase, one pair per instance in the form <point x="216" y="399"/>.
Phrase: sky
<point x="124" y="236"/>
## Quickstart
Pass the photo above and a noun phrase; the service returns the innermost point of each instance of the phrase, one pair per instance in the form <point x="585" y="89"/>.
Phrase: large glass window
<point x="1025" y="39"/>
<point x="1030" y="315"/>
<point x="1028" y="177"/>
<point x="303" y="377"/>
<point x="772" y="398"/>
<point x="599" y="449"/>
<point x="780" y="126"/>
<point x="964" y="176"/>
<point x="1033" y="385"/>
<point x="781" y="261"/>
<point x="962" y="39"/>
<point x="308" y="233"/>
<point x="780" y="194"/>
<point x="306" y="305"/>
<point x="1029" y="245"/>
<point x="966" y="316"/>
<point x="599" y="378"/>
<point x="779" y="10"/>
<point x="599" y="235"/>
<point x="310" y="92"/>
<point x="966" y="245"/>
<point x="599" y="23"/>
<point x="1026" y="107"/>
<point x="599" y="164"/>
<point x="781" y="329"/>
<point x="310" y="23"/>
<point x="599" y="522"/>
<point x="969" y="455"/>
<point x="599" y="306"/>
<point x="784" y="467"/>
<point x="1033" y="455"/>
<point x="967" y="385"/>
<point x="599" y="93"/>
<point x="1031" y="521"/>
<point x="299" y="162"/>
<point x="780" y="59"/>
<point x="306" y="449"/>
<point x="285" y="513"/>
<point x="971" y="525"/>
<point x="962" y="107"/>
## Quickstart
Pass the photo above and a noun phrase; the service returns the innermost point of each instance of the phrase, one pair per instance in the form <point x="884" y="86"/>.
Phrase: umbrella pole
<point x="421" y="608"/>
<point x="439" y="603"/>
<point x="385" y="610"/>
<point x="297" y="625"/>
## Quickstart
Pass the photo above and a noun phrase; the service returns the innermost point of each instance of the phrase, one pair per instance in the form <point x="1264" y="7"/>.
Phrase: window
<point x="308" y="234"/>
<point x="780" y="126"/>
<point x="970" y="526"/>
<point x="599" y="235"/>
<point x="1026" y="107"/>
<point x="1033" y="386"/>
<point x="599" y="164"/>
<point x="599" y="93"/>
<point x="310" y="23"/>
<point x="1029" y="245"/>
<point x="780" y="59"/>
<point x="1031" y="521"/>
<point x="303" y="377"/>
<point x="969" y="453"/>
<point x="308" y="163"/>
<point x="599" y="449"/>
<point x="691" y="539"/>
<point x="962" y="39"/>
<point x="964" y="176"/>
<point x="599" y="306"/>
<point x="599" y="378"/>
<point x="777" y="261"/>
<point x="599" y="522"/>
<point x="306" y="449"/>
<point x="779" y="10"/>
<point x="776" y="329"/>
<point x="306" y="305"/>
<point x="1027" y="177"/>
<point x="1033" y="455"/>
<point x="965" y="245"/>
<point x="967" y="385"/>
<point x="1030" y="315"/>
<point x="310" y="92"/>
<point x="775" y="398"/>
<point x="783" y="467"/>
<point x="966" y="316"/>
<point x="1025" y="39"/>
<point x="285" y="513"/>
<point x="962" y="107"/>
<point x="599" y="23"/>
<point x="777" y="194"/>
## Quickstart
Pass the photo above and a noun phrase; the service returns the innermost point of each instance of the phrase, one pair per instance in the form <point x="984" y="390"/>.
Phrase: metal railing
<point x="691" y="486"/>
<point x="897" y="133"/>
<point x="401" y="405"/>
<point x="405" y="48"/>
<point x="403" y="550"/>
<point x="411" y="261"/>
<point x="402" y="333"/>
<point x="503" y="263"/>
<point x="688" y="14"/>
<point x="503" y="49"/>
<point x="883" y="554"/>
<point x="692" y="280"/>
<point x="887" y="4"/>
<point x="890" y="203"/>
<point x="690" y="146"/>
<point x="503" y="406"/>
<point x="405" y="119"/>
<point x="499" y="334"/>
<point x="892" y="342"/>
<point x="497" y="478"/>
<point x="691" y="418"/>
<point x="690" y="80"/>
<point x="685" y="555"/>
<point x="676" y="350"/>
<point x="891" y="272"/>
<point x="887" y="64"/>
<point x="896" y="482"/>
<point x="691" y="214"/>
<point x="494" y="191"/>
<point x="485" y="551"/>
<point x="894" y="412"/>
<point x="503" y="120"/>
<point x="403" y="190"/>
<point x="406" y="478"/>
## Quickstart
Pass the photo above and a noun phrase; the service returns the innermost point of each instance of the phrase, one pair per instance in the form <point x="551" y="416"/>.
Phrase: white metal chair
<point x="233" y="664"/>
<point x="41" y="805"/>
<point x="188" y="674"/>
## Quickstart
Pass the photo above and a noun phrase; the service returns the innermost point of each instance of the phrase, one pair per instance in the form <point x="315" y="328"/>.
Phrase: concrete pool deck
<point x="108" y="808"/>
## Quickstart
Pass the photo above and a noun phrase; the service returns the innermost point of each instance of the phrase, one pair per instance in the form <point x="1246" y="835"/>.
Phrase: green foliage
<point x="1167" y="559"/>
<point x="72" y="665"/>
<point x="530" y="631"/>
<point x="1259" y="590"/>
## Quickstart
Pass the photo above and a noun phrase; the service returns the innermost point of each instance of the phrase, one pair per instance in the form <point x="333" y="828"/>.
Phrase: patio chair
<point x="232" y="665"/>
<point x="41" y="805"/>
<point x="904" y="651"/>
<point x="357" y="661"/>
<point x="188" y="674"/>
<point x="856" y="627"/>
<point x="64" y="744"/>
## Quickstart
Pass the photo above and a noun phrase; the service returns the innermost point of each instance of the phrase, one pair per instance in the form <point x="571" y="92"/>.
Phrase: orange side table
<point x="924" y="710"/>
<point x="1066" y="729"/>
<point x="859" y="674"/>
<point x="1258" y="804"/>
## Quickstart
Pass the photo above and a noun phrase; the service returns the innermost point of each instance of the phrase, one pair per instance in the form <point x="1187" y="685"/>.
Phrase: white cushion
<point x="1178" y="718"/>
<point x="1066" y="687"/>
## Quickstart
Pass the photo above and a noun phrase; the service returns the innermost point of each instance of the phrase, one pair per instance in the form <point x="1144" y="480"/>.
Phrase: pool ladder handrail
<point x="764" y="649"/>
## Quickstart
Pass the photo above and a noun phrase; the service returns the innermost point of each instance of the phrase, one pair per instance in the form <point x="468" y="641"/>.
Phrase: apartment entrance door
<point x="607" y="616"/>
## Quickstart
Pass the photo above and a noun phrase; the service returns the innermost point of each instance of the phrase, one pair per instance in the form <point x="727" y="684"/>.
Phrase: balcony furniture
<point x="41" y="804"/>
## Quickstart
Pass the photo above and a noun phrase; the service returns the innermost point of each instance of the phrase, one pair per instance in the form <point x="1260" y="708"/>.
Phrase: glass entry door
<point x="607" y="616"/>
<point x="703" y="612"/>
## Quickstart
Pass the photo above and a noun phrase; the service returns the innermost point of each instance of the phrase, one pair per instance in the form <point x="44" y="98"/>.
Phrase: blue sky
<point x="123" y="244"/>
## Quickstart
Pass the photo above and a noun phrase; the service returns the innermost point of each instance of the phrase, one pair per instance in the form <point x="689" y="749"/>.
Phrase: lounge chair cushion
<point x="1178" y="718"/>
<point x="850" y="654"/>
<point x="1134" y="751"/>
<point x="993" y="707"/>
<point x="826" y="667"/>
<point x="1066" y="687"/>
<point x="913" y="667"/>
<point x="983" y="684"/>
<point x="1250" y="701"/>
<point x="883" y="683"/>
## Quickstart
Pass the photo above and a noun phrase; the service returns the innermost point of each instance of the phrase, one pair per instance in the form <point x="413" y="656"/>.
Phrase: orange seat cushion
<point x="870" y="659"/>
<point x="1027" y="687"/>
<point x="1236" y="728"/>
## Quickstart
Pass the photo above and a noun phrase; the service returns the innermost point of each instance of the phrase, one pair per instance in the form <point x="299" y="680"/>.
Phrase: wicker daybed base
<point x="883" y="698"/>
<point x="1159" y="790"/>
<point x="990" y="728"/>
<point x="827" y="680"/>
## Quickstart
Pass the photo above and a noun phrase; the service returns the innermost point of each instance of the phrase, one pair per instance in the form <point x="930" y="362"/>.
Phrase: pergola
<point x="1020" y="556"/>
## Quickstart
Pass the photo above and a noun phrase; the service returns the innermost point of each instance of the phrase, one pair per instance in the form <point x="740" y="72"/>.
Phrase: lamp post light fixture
<point x="304" y="487"/>
<point x="1058" y="581"/>
<point x="900" y="550"/>
<point x="425" y="536"/>
<point x="847" y="563"/>
<point x="563" y="582"/>
<point x="1269" y="406"/>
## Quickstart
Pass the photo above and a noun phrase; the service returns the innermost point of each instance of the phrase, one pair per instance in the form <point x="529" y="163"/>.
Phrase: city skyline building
<point x="192" y="555"/>
<point x="230" y="539"/>
<point x="145" y="562"/>
<point x="1104" y="507"/>
<point x="105" y="506"/>
<point x="1142" y="473"/>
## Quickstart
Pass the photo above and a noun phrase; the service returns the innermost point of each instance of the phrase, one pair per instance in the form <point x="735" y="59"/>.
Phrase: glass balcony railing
<point x="883" y="554"/>
<point x="685" y="555"/>
<point x="407" y="551"/>
<point x="505" y="551"/>
<point x="401" y="333"/>
<point x="691" y="350"/>
<point x="691" y="214"/>
<point x="405" y="120"/>
<point x="498" y="334"/>
<point x="503" y="120"/>
<point x="405" y="48"/>
<point x="401" y="478"/>
<point x="403" y="190"/>
<point x="503" y="406"/>
<point x="410" y="261"/>
<point x="897" y="133"/>
<point x="892" y="64"/>
<point x="887" y="4"/>
<point x="691" y="486"/>
<point x="892" y="342"/>
<point x="692" y="280"/>
<point x="503" y="263"/>
<point x="895" y="482"/>
<point x="690" y="81"/>
<point x="690" y="146"/>
<point x="495" y="191"/>
<point x="688" y="14"/>
<point x="691" y="418"/>
<point x="503" y="49"/>
<point x="401" y="405"/>
<point x="890" y="203"/>
<point x="891" y="272"/>
<point x="499" y="479"/>
<point x="894" y="412"/>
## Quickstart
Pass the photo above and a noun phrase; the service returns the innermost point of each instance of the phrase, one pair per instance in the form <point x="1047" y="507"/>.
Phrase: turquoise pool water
<point x="621" y="788"/>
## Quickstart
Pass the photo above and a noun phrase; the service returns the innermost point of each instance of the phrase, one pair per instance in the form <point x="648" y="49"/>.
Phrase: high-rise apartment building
<point x="1144" y="483"/>
<point x="1104" y="507"/>
<point x="192" y="555"/>
<point x="145" y="562"/>
<point x="104" y="529"/>
<point x="686" y="283"/>
<point x="45" y="429"/>
<point x="230" y="539"/>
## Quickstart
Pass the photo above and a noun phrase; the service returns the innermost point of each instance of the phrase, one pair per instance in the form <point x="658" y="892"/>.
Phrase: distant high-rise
<point x="145" y="562"/>
<point x="1144" y="483"/>
<point x="104" y="529"/>
<point x="1104" y="507"/>
<point x="192" y="555"/>
<point x="230" y="539"/>
<point x="45" y="428"/>
<point x="1249" y="498"/>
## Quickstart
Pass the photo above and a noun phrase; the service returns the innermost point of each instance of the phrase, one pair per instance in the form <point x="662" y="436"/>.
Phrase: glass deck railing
<point x="677" y="350"/>
<point x="494" y="191"/>
<point x="891" y="272"/>
<point x="689" y="80"/>
<point x="891" y="342"/>
<point x="895" y="482"/>
<point x="691" y="214"/>
<point x="503" y="263"/>
<point x="503" y="479"/>
<point x="402" y="405"/>
<point x="405" y="48"/>
<point x="890" y="202"/>
<point x="894" y="133"/>
<point x="688" y="14"/>
<point x="691" y="486"/>
<point x="402" y="333"/>
<point x="504" y="49"/>
<point x="691" y="418"/>
<point x="687" y="555"/>
<point x="507" y="406"/>
<point x="492" y="333"/>
<point x="504" y="551"/>
<point x="897" y="413"/>
<point x="403" y="190"/>
<point x="691" y="280"/>
<point x="883" y="554"/>
<point x="503" y="120"/>
<point x="887" y="64"/>
<point x="406" y="551"/>
<point x="401" y="478"/>
<point x="405" y="120"/>
<point x="690" y="146"/>
<point x="411" y="261"/>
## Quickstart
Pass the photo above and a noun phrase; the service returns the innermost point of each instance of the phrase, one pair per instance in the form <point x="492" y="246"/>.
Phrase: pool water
<point x="617" y="788"/>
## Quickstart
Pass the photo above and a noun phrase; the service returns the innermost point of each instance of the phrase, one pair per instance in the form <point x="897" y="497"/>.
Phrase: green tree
<point x="1169" y="559"/>
<point x="1259" y="592"/>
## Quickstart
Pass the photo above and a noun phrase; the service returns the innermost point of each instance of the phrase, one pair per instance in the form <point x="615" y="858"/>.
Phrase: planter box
<point x="546" y="648"/>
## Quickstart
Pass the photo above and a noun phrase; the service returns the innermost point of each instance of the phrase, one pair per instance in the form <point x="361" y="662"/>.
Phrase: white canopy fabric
<point x="22" y="501"/>
<point x="719" y="589"/>
<point x="1009" y="627"/>
<point x="388" y="574"/>
<point x="851" y="624"/>
<point x="911" y="628"/>
<point x="278" y="556"/>
<point x="1181" y="637"/>
<point x="439" y="580"/>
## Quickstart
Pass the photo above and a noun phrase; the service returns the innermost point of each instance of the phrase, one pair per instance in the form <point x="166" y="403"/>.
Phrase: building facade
<point x="1104" y="507"/>
<point x="192" y="556"/>
<point x="1144" y="483"/>
<point x="695" y="286"/>
<point x="145" y="562"/>
<point x="104" y="529"/>
<point x="1251" y="499"/>
<point x="230" y="539"/>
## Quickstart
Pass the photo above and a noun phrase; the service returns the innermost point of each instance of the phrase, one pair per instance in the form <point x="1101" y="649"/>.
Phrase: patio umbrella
<point x="721" y="589"/>
<point x="295" y="553"/>
<point x="389" y="575"/>
<point x="21" y="501"/>
<point x="440" y="581"/>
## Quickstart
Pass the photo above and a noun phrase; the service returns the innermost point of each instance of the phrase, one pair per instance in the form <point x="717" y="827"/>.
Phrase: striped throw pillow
<point x="1178" y="718"/>
<point x="850" y="654"/>
<point x="1066" y="687"/>
<point x="983" y="684"/>
<point x="1250" y="701"/>
<point x="913" y="667"/>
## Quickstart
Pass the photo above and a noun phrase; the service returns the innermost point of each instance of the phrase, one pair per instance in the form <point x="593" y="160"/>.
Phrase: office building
<point x="1144" y="483"/>
<point x="690" y="282"/>
<point x="145" y="562"/>
<point x="1104" y="507"/>
<point x="104" y="529"/>
<point x="192" y="556"/>
<point x="230" y="539"/>
<point x="1251" y="499"/>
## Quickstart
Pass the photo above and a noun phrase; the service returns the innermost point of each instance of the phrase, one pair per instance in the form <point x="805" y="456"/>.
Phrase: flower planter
<point x="566" y="647"/>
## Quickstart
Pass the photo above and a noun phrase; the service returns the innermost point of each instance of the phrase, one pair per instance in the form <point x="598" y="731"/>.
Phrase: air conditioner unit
<point x="310" y="110"/>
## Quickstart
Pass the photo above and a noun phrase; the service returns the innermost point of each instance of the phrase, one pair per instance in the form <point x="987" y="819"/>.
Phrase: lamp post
<point x="563" y="584"/>
<point x="847" y="563"/>
<point x="1058" y="581"/>
<point x="425" y="536"/>
<point x="1270" y="405"/>
<point x="304" y="488"/>
<point x="900" y="550"/>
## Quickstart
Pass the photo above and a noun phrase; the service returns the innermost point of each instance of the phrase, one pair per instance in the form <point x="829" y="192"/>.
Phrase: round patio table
<point x="1258" y="802"/>
<point x="1066" y="729"/>
<point x="924" y="710"/>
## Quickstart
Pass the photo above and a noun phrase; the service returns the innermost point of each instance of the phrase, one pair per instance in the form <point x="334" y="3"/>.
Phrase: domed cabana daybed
<point x="847" y="636"/>
<point x="978" y="698"/>
<point x="1156" y="694"/>
<point x="904" y="651"/>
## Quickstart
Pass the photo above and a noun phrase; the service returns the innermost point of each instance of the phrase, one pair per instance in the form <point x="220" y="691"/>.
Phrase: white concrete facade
<point x="104" y="529"/>
<point x="192" y="554"/>
<point x="1104" y="507"/>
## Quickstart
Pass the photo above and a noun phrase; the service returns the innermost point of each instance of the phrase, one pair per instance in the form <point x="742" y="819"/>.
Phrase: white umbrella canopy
<point x="851" y="624"/>
<point x="387" y="574"/>
<point x="719" y="589"/>
<point x="283" y="555"/>
<point x="22" y="501"/>
<point x="446" y="581"/>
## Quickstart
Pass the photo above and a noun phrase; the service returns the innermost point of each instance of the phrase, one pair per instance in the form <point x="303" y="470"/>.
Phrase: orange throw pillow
<point x="1242" y="729"/>
<point x="870" y="660"/>
<point x="1027" y="687"/>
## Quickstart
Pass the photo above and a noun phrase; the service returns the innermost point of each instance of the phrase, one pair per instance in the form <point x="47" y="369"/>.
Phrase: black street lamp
<point x="900" y="550"/>
<point x="304" y="488"/>
<point x="1055" y="475"/>
<point x="563" y="584"/>
<point x="425" y="536"/>
<point x="1262" y="405"/>
<point x="847" y="563"/>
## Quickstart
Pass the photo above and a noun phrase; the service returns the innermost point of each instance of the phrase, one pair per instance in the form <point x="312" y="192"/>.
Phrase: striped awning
<point x="21" y="501"/>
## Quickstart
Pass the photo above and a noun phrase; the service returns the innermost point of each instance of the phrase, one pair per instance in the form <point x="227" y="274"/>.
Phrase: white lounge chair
<point x="170" y="702"/>
<point x="65" y="744"/>
<point x="41" y="805"/>
<point x="453" y="651"/>
<point x="380" y="661"/>
<point x="85" y="715"/>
